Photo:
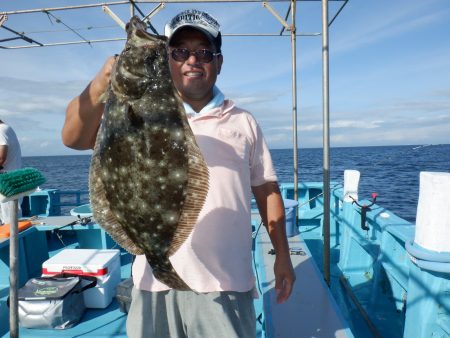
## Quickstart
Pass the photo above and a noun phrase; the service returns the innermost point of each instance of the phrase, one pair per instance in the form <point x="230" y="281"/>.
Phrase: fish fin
<point x="196" y="191"/>
<point x="104" y="97"/>
<point x="101" y="210"/>
<point x="135" y="119"/>
<point x="165" y="273"/>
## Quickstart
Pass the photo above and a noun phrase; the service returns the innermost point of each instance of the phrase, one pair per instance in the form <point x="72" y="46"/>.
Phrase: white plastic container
<point x="433" y="212"/>
<point x="351" y="183"/>
<point x="103" y="264"/>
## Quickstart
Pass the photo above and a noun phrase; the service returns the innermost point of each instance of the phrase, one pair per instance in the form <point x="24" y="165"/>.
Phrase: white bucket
<point x="290" y="207"/>
<point x="433" y="212"/>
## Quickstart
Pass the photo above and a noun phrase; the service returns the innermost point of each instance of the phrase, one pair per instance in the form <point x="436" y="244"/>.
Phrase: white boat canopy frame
<point x="288" y="28"/>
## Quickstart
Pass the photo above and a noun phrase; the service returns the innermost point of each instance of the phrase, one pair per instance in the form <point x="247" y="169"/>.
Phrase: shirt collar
<point x="216" y="102"/>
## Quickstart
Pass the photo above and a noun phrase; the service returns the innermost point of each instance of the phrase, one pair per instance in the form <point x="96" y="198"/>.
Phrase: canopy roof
<point x="55" y="26"/>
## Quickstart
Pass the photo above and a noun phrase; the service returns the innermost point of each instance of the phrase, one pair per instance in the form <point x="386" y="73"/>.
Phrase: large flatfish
<point x="148" y="180"/>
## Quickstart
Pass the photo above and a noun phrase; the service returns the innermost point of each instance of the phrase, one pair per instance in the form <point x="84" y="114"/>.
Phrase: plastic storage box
<point x="103" y="264"/>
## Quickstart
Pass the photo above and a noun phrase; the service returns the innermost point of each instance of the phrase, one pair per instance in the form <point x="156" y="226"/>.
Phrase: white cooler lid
<point x="92" y="262"/>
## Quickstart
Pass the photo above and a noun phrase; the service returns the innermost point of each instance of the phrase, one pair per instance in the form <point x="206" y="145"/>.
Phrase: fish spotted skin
<point x="148" y="180"/>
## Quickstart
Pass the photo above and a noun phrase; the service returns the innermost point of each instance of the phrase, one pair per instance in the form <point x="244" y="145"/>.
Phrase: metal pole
<point x="131" y="9"/>
<point x="114" y="16"/>
<point x="55" y="44"/>
<point x="294" y="98"/>
<point x="13" y="272"/>
<point x="127" y="2"/>
<point x="326" y="145"/>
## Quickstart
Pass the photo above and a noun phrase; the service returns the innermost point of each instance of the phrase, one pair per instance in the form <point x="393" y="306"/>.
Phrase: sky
<point x="389" y="69"/>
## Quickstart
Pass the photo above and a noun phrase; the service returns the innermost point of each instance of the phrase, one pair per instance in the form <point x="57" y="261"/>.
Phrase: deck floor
<point x="310" y="311"/>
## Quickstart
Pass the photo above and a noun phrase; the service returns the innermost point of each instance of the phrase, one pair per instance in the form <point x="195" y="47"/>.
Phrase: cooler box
<point x="103" y="264"/>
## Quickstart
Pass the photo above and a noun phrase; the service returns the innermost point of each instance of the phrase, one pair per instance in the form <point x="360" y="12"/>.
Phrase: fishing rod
<point x="81" y="220"/>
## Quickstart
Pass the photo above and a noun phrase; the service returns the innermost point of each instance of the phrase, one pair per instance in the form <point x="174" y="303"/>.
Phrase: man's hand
<point x="284" y="278"/>
<point x="270" y="205"/>
<point x="101" y="81"/>
<point x="84" y="112"/>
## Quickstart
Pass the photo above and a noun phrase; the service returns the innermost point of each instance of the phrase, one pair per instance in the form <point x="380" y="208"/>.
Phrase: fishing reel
<point x="84" y="220"/>
<point x="364" y="209"/>
<point x="80" y="220"/>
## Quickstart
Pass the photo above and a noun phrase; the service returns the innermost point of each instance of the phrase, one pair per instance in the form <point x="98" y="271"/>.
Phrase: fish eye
<point x="151" y="61"/>
<point x="151" y="58"/>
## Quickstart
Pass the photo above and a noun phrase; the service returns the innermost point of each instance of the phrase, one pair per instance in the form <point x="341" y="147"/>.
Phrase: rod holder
<point x="113" y="16"/>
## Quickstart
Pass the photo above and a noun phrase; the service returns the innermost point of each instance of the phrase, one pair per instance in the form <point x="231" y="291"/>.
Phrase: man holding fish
<point x="205" y="286"/>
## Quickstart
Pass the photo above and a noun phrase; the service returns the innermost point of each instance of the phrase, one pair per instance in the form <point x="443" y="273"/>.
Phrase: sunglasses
<point x="201" y="55"/>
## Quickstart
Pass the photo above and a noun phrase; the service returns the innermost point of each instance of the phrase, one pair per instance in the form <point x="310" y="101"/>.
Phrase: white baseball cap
<point x="196" y="19"/>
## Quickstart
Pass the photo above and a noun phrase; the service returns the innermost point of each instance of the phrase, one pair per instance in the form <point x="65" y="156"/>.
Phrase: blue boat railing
<point x="388" y="283"/>
<point x="80" y="197"/>
<point x="53" y="202"/>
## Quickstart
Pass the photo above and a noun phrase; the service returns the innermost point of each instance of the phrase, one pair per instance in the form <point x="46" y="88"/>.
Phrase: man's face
<point x="194" y="80"/>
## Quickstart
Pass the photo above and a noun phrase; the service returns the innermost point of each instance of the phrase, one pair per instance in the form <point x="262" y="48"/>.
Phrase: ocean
<point x="390" y="171"/>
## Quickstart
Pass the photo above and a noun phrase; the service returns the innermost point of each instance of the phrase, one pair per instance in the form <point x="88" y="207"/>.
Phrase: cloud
<point x="431" y="134"/>
<point x="399" y="120"/>
<point x="395" y="22"/>
<point x="5" y="112"/>
<point x="341" y="124"/>
<point x="244" y="99"/>
<point x="36" y="106"/>
<point x="422" y="106"/>
<point x="442" y="92"/>
<point x="30" y="87"/>
<point x="36" y="110"/>
<point x="380" y="93"/>
<point x="318" y="127"/>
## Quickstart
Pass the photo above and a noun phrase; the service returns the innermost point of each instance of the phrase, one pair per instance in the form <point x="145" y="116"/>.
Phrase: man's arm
<point x="84" y="112"/>
<point x="270" y="204"/>
<point x="3" y="154"/>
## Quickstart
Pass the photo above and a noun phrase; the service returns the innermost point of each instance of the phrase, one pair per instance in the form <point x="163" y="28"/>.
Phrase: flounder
<point x="148" y="180"/>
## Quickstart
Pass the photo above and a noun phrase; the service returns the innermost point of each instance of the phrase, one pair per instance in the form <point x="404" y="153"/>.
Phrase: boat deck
<point x="108" y="322"/>
<point x="310" y="312"/>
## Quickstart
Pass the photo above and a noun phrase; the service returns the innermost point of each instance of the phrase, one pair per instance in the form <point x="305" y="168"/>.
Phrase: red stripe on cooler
<point x="99" y="272"/>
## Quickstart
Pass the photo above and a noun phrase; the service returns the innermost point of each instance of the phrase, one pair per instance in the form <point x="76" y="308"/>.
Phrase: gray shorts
<point x="176" y="314"/>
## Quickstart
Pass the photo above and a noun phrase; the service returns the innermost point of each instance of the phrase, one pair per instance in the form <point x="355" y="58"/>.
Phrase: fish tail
<point x="165" y="273"/>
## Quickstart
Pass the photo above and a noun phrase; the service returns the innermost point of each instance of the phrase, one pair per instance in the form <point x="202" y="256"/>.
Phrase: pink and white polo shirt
<point x="217" y="254"/>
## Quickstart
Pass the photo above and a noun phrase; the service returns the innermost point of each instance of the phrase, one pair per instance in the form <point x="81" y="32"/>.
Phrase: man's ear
<point x="219" y="63"/>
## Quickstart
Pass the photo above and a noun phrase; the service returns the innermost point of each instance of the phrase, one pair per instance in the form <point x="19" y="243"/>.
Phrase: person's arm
<point x="3" y="154"/>
<point x="270" y="204"/>
<point x="84" y="112"/>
